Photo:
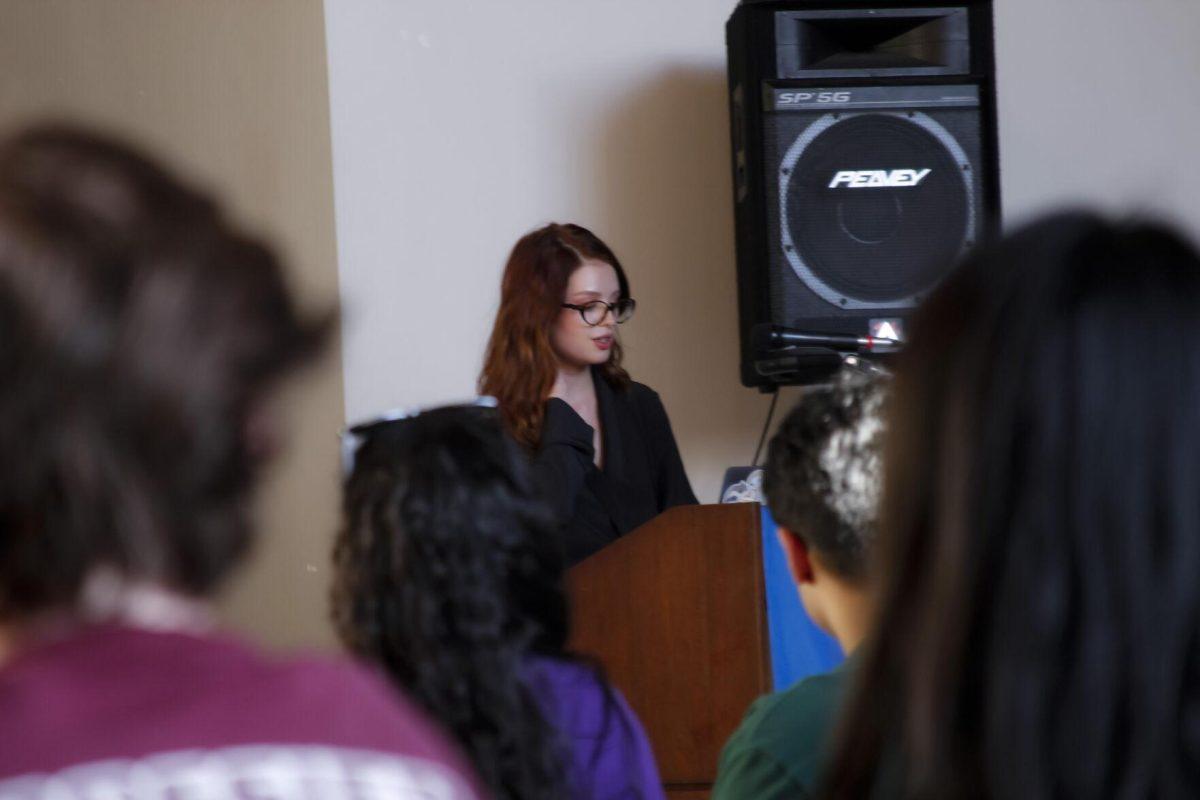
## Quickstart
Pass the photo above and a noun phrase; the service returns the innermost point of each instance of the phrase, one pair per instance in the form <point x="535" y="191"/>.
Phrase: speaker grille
<point x="872" y="208"/>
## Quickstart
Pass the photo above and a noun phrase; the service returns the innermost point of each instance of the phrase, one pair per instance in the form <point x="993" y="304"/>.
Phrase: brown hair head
<point x="139" y="330"/>
<point x="519" y="367"/>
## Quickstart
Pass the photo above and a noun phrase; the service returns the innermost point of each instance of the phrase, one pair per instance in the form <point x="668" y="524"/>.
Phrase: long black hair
<point x="1039" y="629"/>
<point x="448" y="576"/>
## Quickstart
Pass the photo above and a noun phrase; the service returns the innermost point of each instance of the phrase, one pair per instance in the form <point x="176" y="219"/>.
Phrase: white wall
<point x="1100" y="103"/>
<point x="457" y="127"/>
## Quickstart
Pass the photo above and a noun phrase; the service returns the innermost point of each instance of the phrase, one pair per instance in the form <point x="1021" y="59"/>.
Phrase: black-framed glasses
<point x="593" y="313"/>
<point x="353" y="437"/>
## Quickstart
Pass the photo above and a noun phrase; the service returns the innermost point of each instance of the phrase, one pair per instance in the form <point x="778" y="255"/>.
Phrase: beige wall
<point x="234" y="92"/>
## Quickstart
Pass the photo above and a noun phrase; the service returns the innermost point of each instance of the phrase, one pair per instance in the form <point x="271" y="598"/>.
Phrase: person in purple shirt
<point x="450" y="576"/>
<point x="141" y="337"/>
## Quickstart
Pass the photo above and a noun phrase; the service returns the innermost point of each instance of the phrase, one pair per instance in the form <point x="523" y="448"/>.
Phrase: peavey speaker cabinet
<point x="865" y="163"/>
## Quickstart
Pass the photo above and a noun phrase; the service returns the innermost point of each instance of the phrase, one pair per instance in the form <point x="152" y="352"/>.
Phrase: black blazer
<point x="642" y="476"/>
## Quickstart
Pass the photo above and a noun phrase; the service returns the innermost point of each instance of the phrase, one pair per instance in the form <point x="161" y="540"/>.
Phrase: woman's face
<point x="576" y="343"/>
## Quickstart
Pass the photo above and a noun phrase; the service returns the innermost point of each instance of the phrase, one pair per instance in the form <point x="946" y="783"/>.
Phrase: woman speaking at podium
<point x="602" y="445"/>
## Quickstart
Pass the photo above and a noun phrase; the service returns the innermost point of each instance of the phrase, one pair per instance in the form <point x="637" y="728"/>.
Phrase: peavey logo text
<point x="879" y="178"/>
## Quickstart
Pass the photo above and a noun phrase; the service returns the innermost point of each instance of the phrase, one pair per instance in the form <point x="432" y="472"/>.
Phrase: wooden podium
<point x="676" y="613"/>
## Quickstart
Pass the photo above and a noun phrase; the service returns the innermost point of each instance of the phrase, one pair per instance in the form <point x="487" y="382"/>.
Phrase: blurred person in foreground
<point x="822" y="482"/>
<point x="1039" y="629"/>
<point x="142" y="336"/>
<point x="450" y="577"/>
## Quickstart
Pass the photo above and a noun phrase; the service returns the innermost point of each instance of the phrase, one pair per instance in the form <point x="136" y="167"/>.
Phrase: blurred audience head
<point x="822" y="483"/>
<point x="823" y="474"/>
<point x="1039" y="628"/>
<point x="448" y="576"/>
<point x="140" y="334"/>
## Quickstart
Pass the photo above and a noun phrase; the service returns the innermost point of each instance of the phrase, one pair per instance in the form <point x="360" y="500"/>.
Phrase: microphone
<point x="772" y="337"/>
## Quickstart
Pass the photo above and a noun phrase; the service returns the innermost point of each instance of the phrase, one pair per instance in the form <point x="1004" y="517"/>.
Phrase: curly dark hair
<point x="449" y="576"/>
<point x="824" y="470"/>
<point x="139" y="334"/>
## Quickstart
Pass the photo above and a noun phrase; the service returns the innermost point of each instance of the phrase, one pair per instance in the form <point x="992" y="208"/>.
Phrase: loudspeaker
<point x="864" y="164"/>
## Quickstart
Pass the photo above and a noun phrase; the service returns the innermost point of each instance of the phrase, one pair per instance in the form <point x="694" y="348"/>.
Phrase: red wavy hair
<point x="520" y="366"/>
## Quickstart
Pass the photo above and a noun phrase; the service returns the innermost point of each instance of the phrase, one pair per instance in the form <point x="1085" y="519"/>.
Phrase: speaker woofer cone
<point x="858" y="226"/>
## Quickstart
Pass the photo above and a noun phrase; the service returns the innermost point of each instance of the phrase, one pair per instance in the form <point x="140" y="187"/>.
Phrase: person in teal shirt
<point x="821" y="481"/>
